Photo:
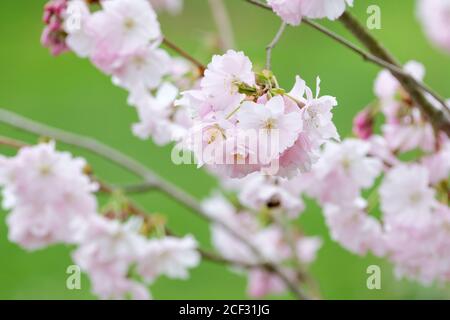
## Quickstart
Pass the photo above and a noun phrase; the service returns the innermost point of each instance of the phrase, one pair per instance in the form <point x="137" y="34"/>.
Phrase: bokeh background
<point x="68" y="92"/>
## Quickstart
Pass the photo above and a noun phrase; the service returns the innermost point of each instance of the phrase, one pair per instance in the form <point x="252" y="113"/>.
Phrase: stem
<point x="379" y="56"/>
<point x="201" y="67"/>
<point x="150" y="177"/>
<point x="272" y="45"/>
<point x="16" y="144"/>
<point x="223" y="23"/>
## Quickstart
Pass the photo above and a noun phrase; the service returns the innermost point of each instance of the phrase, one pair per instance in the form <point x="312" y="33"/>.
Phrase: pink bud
<point x="363" y="124"/>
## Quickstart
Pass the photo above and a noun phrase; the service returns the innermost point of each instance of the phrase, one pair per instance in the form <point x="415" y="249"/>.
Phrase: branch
<point x="273" y="44"/>
<point x="439" y="118"/>
<point x="223" y="23"/>
<point x="201" y="67"/>
<point x="9" y="142"/>
<point x="150" y="177"/>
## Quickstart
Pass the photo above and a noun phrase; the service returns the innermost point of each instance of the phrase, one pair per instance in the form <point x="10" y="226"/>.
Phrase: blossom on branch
<point x="292" y="11"/>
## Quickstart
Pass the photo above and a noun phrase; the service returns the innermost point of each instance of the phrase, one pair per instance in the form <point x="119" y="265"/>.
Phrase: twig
<point x="201" y="67"/>
<point x="13" y="143"/>
<point x="272" y="45"/>
<point x="150" y="177"/>
<point x="223" y="23"/>
<point x="438" y="118"/>
<point x="137" y="188"/>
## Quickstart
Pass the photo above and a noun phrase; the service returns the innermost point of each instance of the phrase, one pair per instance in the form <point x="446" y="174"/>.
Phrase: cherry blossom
<point x="53" y="36"/>
<point x="121" y="28"/>
<point x="168" y="256"/>
<point x="292" y="11"/>
<point x="405" y="192"/>
<point x="48" y="194"/>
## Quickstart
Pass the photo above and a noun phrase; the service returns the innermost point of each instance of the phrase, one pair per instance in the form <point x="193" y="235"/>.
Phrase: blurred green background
<point x="68" y="92"/>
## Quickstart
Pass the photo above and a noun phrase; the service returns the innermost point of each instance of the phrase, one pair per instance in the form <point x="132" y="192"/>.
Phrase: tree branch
<point x="13" y="143"/>
<point x="272" y="45"/>
<point x="201" y="67"/>
<point x="223" y="23"/>
<point x="439" y="118"/>
<point x="150" y="177"/>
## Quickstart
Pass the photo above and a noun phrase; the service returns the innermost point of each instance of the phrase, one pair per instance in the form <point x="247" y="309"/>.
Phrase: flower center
<point x="270" y="124"/>
<point x="129" y="23"/>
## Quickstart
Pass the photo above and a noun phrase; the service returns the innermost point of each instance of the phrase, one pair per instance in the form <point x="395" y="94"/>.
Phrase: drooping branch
<point x="440" y="118"/>
<point x="272" y="45"/>
<point x="223" y="23"/>
<point x="150" y="177"/>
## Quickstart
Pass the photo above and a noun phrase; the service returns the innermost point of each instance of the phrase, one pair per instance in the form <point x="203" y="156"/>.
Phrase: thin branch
<point x="201" y="67"/>
<point x="223" y="23"/>
<point x="150" y="177"/>
<point x="13" y="143"/>
<point x="439" y="118"/>
<point x="272" y="45"/>
<point x="136" y="188"/>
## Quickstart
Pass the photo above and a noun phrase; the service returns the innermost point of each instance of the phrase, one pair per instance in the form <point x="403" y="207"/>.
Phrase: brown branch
<point x="201" y="67"/>
<point x="13" y="143"/>
<point x="440" y="119"/>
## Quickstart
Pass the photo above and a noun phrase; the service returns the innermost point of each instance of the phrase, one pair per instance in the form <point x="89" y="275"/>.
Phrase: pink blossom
<point x="317" y="115"/>
<point x="106" y="251"/>
<point x="48" y="193"/>
<point x="419" y="248"/>
<point x="281" y="128"/>
<point x="331" y="9"/>
<point x="79" y="38"/>
<point x="438" y="164"/>
<point x="144" y="67"/>
<point x="121" y="28"/>
<point x="258" y="192"/>
<point x="363" y="124"/>
<point x="53" y="36"/>
<point x="435" y="18"/>
<point x="158" y="117"/>
<point x="222" y="79"/>
<point x="405" y="193"/>
<point x="346" y="164"/>
<point x="356" y="231"/>
<point x="292" y="11"/>
<point x="289" y="10"/>
<point x="168" y="256"/>
<point x="262" y="283"/>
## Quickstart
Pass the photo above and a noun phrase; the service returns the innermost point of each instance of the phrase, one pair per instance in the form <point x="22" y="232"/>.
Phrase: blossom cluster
<point x="244" y="122"/>
<point x="350" y="180"/>
<point x="292" y="11"/>
<point x="52" y="201"/>
<point x="123" y="40"/>
<point x="261" y="227"/>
